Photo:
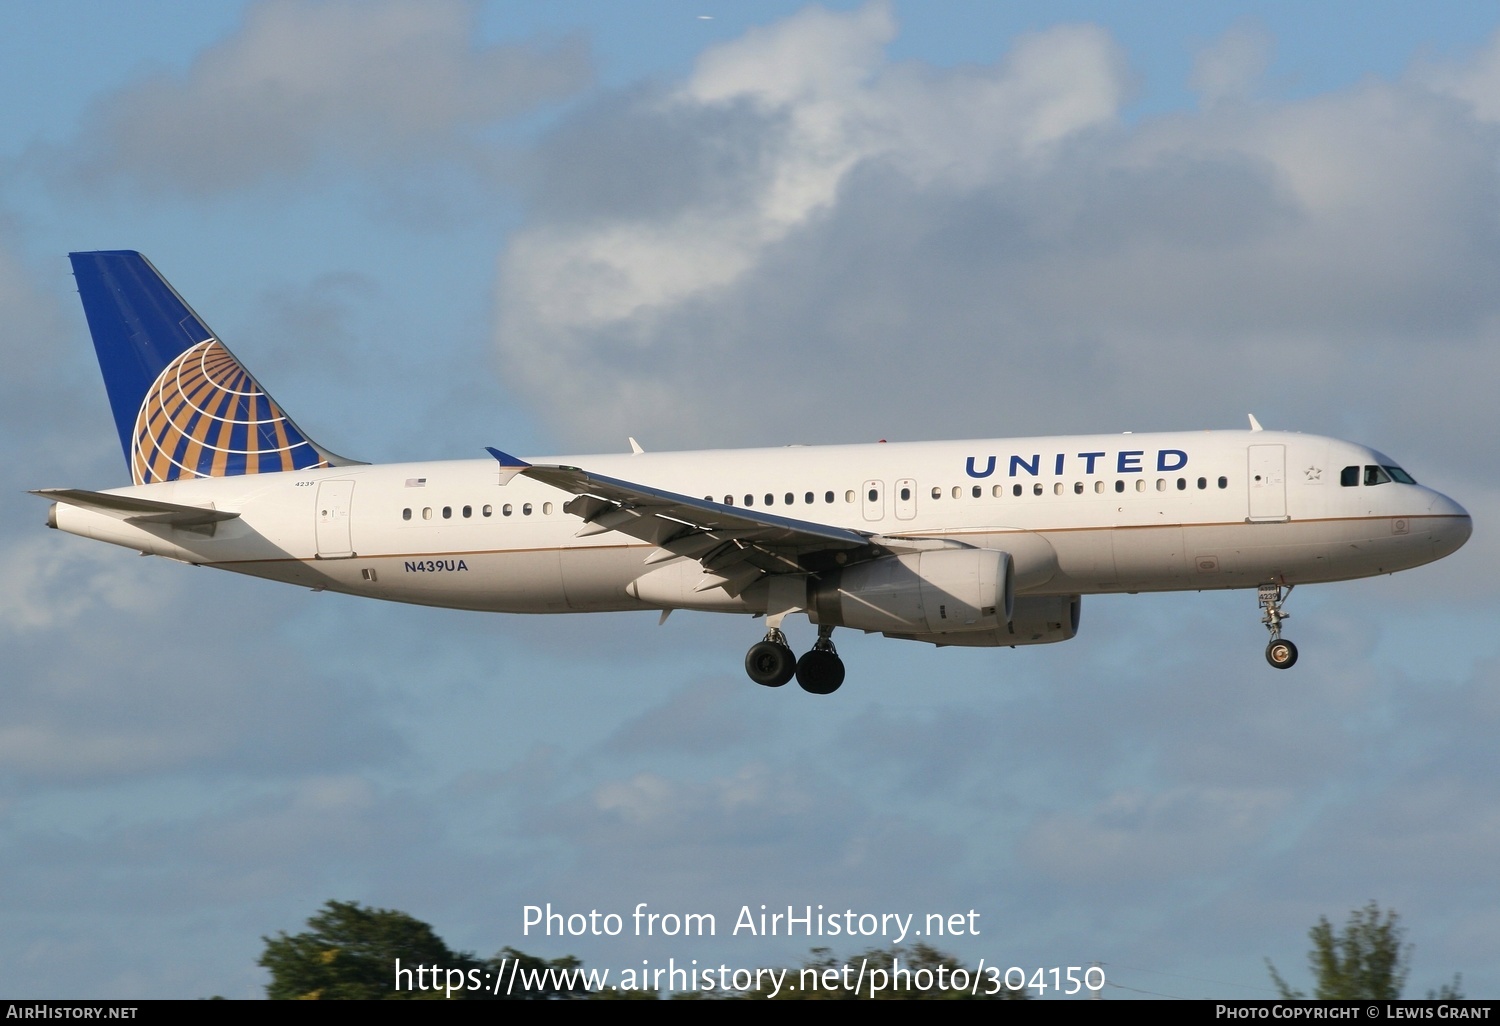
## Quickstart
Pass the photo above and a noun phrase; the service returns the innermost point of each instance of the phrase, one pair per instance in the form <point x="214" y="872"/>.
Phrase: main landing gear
<point x="1280" y="653"/>
<point x="770" y="662"/>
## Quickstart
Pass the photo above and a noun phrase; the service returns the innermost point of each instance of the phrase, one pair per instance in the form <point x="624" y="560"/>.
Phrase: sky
<point x="432" y="227"/>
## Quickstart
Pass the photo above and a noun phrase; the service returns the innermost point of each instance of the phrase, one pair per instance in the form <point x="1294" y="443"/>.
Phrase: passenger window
<point x="1077" y="487"/>
<point x="506" y="510"/>
<point x="874" y="495"/>
<point x="406" y="513"/>
<point x="790" y="498"/>
<point x="1036" y="489"/>
<point x="749" y="500"/>
<point x="905" y="494"/>
<point x="447" y="512"/>
<point x="957" y="492"/>
<point x="1202" y="483"/>
<point x="849" y="495"/>
<point x="488" y="510"/>
<point x="1098" y="487"/>
<point x="1161" y="484"/>
<point x="1223" y="482"/>
<point x="1376" y="475"/>
<point x="1015" y="490"/>
<point x="937" y="493"/>
<point x="1057" y="489"/>
<point x="1349" y="477"/>
<point x="468" y="512"/>
<point x="1182" y="484"/>
<point x="729" y="500"/>
<point x="1119" y="486"/>
<point x="827" y="496"/>
<point x="547" y="508"/>
<point x="526" y="509"/>
<point x="999" y="491"/>
<point x="770" y="499"/>
<point x="976" y="491"/>
<point x="426" y="512"/>
<point x="808" y="498"/>
<point x="1140" y="484"/>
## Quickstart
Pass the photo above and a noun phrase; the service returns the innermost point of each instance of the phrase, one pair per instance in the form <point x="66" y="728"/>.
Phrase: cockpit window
<point x="1376" y="475"/>
<point x="1401" y="476"/>
<point x="1349" y="477"/>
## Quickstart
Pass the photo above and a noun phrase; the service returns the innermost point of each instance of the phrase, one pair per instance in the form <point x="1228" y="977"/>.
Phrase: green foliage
<point x="349" y="953"/>
<point x="1368" y="960"/>
<point x="530" y="966"/>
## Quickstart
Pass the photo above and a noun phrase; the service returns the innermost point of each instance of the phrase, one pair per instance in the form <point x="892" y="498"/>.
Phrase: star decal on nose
<point x="1314" y="473"/>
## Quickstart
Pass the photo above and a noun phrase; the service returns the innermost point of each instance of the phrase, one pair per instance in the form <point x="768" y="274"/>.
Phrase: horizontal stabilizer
<point x="137" y="511"/>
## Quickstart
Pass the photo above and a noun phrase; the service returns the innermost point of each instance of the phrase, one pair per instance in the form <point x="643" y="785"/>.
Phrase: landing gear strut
<point x="821" y="671"/>
<point x="1280" y="653"/>
<point x="771" y="661"/>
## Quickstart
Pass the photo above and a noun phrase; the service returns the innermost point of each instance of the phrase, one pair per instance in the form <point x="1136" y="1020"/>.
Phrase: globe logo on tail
<point x="205" y="416"/>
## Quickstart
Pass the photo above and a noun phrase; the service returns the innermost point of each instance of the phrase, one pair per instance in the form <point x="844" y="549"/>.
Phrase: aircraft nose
<point x="1451" y="524"/>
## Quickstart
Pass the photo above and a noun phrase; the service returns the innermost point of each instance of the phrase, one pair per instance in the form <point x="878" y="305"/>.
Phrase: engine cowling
<point x="1037" y="620"/>
<point x="945" y="590"/>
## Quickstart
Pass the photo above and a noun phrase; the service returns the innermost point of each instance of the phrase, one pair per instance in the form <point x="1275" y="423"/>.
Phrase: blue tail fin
<point x="184" y="405"/>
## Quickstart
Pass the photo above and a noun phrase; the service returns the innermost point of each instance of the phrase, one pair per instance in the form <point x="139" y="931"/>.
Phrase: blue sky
<point x="434" y="227"/>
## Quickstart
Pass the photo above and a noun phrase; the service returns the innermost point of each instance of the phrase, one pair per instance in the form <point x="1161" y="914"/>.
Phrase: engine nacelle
<point x="1038" y="620"/>
<point x="959" y="590"/>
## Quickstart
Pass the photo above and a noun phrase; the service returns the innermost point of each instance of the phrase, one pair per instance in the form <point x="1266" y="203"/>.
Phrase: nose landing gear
<point x="1280" y="653"/>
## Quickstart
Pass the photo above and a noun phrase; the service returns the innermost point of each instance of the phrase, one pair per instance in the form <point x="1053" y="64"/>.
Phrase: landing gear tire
<point x="1281" y="654"/>
<point x="771" y="663"/>
<point x="820" y="672"/>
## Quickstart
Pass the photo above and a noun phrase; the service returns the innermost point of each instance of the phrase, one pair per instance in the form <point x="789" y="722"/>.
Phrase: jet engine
<point x="958" y="590"/>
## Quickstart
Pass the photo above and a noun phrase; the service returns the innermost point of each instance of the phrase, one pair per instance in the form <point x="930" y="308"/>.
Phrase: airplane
<point x="982" y="543"/>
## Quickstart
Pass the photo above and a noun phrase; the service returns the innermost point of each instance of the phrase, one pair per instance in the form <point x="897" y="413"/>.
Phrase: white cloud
<point x="389" y="82"/>
<point x="1133" y="837"/>
<point x="1231" y="67"/>
<point x="828" y="103"/>
<point x="902" y="251"/>
<point x="51" y="583"/>
<point x="1476" y="81"/>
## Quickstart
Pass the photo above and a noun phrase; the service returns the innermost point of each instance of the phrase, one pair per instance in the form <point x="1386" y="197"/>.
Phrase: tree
<point x="350" y="953"/>
<point x="1367" y="961"/>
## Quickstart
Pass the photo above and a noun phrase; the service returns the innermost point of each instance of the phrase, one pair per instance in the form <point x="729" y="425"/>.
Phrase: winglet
<point x="635" y="447"/>
<point x="510" y="466"/>
<point x="1255" y="424"/>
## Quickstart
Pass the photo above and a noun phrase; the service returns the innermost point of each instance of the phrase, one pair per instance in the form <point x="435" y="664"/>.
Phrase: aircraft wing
<point x="736" y="546"/>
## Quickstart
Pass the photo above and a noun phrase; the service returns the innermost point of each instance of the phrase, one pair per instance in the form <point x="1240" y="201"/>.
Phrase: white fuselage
<point x="1083" y="514"/>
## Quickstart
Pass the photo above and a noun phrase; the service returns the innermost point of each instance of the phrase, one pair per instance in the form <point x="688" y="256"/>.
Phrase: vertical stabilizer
<point x="184" y="405"/>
